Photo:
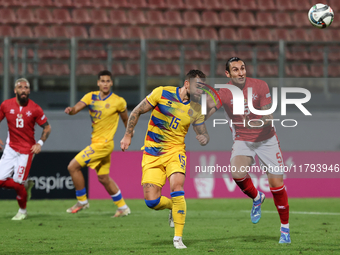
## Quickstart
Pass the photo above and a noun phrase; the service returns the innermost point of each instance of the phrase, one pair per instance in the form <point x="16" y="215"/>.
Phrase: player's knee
<point x="152" y="203"/>
<point x="103" y="179"/>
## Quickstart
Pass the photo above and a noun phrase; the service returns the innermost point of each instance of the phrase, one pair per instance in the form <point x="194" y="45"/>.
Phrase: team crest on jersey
<point x="190" y="112"/>
<point x="255" y="96"/>
<point x="169" y="103"/>
<point x="28" y="113"/>
<point x="107" y="106"/>
<point x="19" y="115"/>
<point x="11" y="111"/>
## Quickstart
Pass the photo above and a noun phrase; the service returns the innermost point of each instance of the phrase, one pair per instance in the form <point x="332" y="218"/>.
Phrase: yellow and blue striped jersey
<point x="104" y="113"/>
<point x="170" y="120"/>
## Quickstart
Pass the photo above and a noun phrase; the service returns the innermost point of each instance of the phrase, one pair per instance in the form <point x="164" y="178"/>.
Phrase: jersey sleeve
<point x="154" y="97"/>
<point x="87" y="99"/>
<point x="2" y="113"/>
<point x="265" y="96"/>
<point x="121" y="105"/>
<point x="40" y="116"/>
<point x="199" y="120"/>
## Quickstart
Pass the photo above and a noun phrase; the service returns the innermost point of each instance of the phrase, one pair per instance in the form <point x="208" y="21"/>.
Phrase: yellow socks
<point x="179" y="209"/>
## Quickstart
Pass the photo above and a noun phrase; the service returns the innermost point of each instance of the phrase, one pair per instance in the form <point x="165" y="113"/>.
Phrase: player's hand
<point x="202" y="139"/>
<point x="125" y="142"/>
<point x="254" y="124"/>
<point x="36" y="148"/>
<point x="68" y="110"/>
<point x="1" y="144"/>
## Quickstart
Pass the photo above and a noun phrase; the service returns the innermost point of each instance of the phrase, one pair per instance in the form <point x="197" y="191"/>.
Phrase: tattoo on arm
<point x="46" y="131"/>
<point x="148" y="185"/>
<point x="265" y="117"/>
<point x="201" y="130"/>
<point x="142" y="108"/>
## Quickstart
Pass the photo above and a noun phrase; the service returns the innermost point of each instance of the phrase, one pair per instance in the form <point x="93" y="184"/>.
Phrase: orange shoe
<point x="78" y="207"/>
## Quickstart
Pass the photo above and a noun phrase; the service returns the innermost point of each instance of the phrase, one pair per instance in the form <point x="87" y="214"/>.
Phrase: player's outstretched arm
<point x="75" y="109"/>
<point x="202" y="134"/>
<point x="36" y="148"/>
<point x="142" y="108"/>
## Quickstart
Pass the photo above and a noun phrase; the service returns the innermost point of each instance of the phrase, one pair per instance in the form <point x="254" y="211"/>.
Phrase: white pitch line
<point x="296" y="212"/>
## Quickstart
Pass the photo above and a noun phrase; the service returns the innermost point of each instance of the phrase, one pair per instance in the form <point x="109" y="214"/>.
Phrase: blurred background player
<point x="164" y="148"/>
<point x="258" y="139"/>
<point x="105" y="108"/>
<point x="21" y="114"/>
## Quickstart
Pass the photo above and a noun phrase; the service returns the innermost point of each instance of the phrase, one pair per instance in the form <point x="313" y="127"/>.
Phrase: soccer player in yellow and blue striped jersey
<point x="104" y="108"/>
<point x="164" y="148"/>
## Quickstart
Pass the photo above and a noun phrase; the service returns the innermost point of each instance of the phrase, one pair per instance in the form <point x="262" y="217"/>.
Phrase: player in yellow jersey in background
<point x="164" y="148"/>
<point x="105" y="108"/>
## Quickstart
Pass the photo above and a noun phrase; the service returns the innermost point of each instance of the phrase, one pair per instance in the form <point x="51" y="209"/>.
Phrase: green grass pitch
<point x="219" y="226"/>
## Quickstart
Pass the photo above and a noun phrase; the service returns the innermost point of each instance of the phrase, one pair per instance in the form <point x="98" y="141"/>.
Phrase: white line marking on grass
<point x="296" y="212"/>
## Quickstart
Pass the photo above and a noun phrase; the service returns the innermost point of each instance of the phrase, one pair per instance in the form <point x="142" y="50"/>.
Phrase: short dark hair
<point x="194" y="73"/>
<point x="232" y="59"/>
<point x="104" y="72"/>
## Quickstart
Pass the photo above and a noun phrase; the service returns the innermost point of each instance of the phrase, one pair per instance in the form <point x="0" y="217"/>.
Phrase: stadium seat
<point x="153" y="33"/>
<point x="195" y="5"/>
<point x="229" y="19"/>
<point x="304" y="5"/>
<point x="205" y="68"/>
<point x="104" y="4"/>
<point x="157" y="4"/>
<point x="264" y="34"/>
<point x="64" y="4"/>
<point x="61" y="16"/>
<point x="59" y="31"/>
<point x="155" y="18"/>
<point x="42" y="31"/>
<point x="121" y="4"/>
<point x="210" y="19"/>
<point x="44" y="69"/>
<point x="171" y="70"/>
<point x="137" y="17"/>
<point x="61" y="50"/>
<point x="321" y="35"/>
<point x="188" y="67"/>
<point x="155" y="70"/>
<point x="220" y="70"/>
<point x="26" y="16"/>
<point x="78" y="31"/>
<point x="209" y="33"/>
<point x="10" y="3"/>
<point x="247" y="5"/>
<point x="173" y="18"/>
<point x="8" y="17"/>
<point x="118" y="51"/>
<point x="335" y="34"/>
<point x="132" y="69"/>
<point x="266" y="5"/>
<point x="134" y="33"/>
<point x="100" y="32"/>
<point x="246" y="19"/>
<point x="281" y="34"/>
<point x="228" y="34"/>
<point x="96" y="68"/>
<point x="98" y="51"/>
<point x="316" y="53"/>
<point x="44" y="16"/>
<point x="225" y="51"/>
<point x="244" y="52"/>
<point x="60" y="69"/>
<point x="118" y="69"/>
<point x="195" y="52"/>
<point x="138" y="4"/>
<point x="286" y="5"/>
<point x="99" y="16"/>
<point x="283" y="19"/>
<point x="172" y="33"/>
<point x="172" y="51"/>
<point x="267" y="70"/>
<point x="300" y="70"/>
<point x="45" y="51"/>
<point x="45" y="3"/>
<point x="117" y="32"/>
<point x="82" y="16"/>
<point x="297" y="53"/>
<point x="192" y="18"/>
<point x="249" y="70"/>
<point x="300" y="22"/>
<point x="334" y="53"/>
<point x="190" y="33"/>
<point x="83" y="3"/>
<point x="7" y="30"/>
<point x="23" y="31"/>
<point x="84" y="51"/>
<point x="246" y="34"/>
<point x="265" y="19"/>
<point x="316" y="70"/>
<point x="230" y="5"/>
<point x="118" y="17"/>
<point x="335" y="4"/>
<point x="176" y="5"/>
<point x="266" y="53"/>
<point x="214" y="5"/>
<point x="300" y="34"/>
<point x="334" y="70"/>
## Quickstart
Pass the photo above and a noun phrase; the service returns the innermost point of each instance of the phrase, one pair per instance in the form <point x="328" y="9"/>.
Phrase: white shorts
<point x="14" y="164"/>
<point x="268" y="152"/>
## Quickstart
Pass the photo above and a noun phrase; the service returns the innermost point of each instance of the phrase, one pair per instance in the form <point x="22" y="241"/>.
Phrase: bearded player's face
<point x="22" y="91"/>
<point x="194" y="88"/>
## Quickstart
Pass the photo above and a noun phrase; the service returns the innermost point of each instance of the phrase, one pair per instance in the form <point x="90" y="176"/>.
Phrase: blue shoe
<point x="255" y="214"/>
<point x="285" y="236"/>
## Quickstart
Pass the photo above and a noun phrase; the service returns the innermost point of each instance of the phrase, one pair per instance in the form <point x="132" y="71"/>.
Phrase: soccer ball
<point x="321" y="16"/>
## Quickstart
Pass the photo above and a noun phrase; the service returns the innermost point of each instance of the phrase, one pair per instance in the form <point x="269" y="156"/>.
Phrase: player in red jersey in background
<point x="21" y="114"/>
<point x="259" y="138"/>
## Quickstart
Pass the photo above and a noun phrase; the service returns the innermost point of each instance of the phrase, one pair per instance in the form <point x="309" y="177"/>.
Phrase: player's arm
<point x="36" y="148"/>
<point x="75" y="109"/>
<point x="2" y="116"/>
<point x="201" y="134"/>
<point x="125" y="117"/>
<point x="265" y="119"/>
<point x="211" y="108"/>
<point x="142" y="108"/>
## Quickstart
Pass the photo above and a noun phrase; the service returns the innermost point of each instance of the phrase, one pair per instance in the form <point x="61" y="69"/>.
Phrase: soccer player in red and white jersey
<point x="21" y="114"/>
<point x="254" y="138"/>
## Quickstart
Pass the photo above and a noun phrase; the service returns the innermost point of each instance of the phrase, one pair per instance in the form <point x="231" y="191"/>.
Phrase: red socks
<point x="281" y="202"/>
<point x="20" y="190"/>
<point x="247" y="186"/>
